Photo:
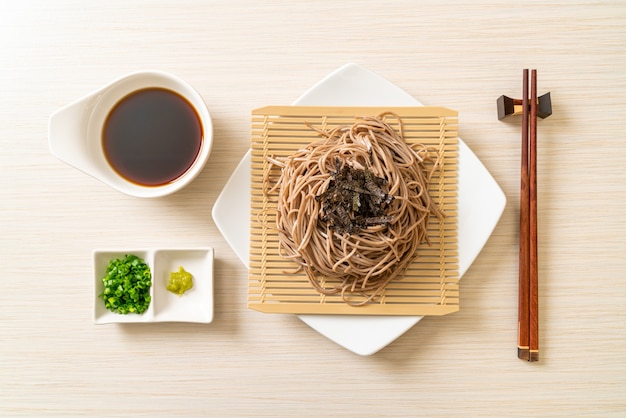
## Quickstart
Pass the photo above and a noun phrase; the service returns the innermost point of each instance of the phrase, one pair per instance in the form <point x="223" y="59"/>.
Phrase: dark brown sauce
<point x="152" y="136"/>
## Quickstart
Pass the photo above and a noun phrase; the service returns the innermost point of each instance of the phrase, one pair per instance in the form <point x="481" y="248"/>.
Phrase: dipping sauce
<point x="152" y="136"/>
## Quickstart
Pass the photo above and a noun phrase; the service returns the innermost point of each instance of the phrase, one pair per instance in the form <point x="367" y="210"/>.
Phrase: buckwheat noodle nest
<point x="355" y="262"/>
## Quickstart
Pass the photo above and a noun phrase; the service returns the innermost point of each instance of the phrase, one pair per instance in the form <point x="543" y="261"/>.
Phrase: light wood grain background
<point x="242" y="55"/>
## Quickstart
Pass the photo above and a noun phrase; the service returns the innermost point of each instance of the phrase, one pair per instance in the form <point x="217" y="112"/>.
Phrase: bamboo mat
<point x="429" y="285"/>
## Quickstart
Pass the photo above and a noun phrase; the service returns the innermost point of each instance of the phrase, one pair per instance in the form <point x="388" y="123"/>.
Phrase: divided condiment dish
<point x="195" y="305"/>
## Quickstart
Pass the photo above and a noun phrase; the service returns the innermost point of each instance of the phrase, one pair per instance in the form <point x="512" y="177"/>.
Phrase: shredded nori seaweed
<point x="354" y="200"/>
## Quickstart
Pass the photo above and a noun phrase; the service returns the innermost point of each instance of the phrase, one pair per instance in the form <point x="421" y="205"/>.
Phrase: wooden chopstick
<point x="528" y="307"/>
<point x="534" y="273"/>
<point x="523" y="313"/>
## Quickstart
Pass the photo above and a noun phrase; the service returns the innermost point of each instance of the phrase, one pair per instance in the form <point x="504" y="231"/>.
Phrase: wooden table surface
<point x="241" y="55"/>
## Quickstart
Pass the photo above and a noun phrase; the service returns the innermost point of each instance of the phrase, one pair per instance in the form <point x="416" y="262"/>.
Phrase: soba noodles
<point x="368" y="165"/>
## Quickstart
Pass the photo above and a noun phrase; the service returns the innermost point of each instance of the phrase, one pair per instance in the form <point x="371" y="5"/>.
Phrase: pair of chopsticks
<point x="528" y="310"/>
<point x="528" y="307"/>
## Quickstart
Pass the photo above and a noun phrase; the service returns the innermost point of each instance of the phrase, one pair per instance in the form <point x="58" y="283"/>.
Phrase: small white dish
<point x="75" y="131"/>
<point x="481" y="203"/>
<point x="195" y="305"/>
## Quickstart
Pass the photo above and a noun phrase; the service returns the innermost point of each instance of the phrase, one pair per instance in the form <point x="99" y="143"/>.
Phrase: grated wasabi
<point x="180" y="281"/>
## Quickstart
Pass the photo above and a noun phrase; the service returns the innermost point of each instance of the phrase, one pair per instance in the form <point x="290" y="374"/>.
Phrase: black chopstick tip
<point x="523" y="353"/>
<point x="534" y="356"/>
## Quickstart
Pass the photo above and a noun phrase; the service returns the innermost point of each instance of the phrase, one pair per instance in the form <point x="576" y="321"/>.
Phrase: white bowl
<point x="75" y="131"/>
<point x="195" y="305"/>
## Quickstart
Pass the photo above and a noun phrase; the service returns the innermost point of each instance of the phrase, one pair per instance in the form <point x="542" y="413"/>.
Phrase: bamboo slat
<point x="430" y="283"/>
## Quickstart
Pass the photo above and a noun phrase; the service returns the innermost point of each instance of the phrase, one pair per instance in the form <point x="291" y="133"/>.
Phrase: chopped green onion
<point x="127" y="285"/>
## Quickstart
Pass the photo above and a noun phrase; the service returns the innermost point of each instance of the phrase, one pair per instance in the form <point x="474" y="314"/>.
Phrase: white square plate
<point x="195" y="305"/>
<point x="481" y="204"/>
